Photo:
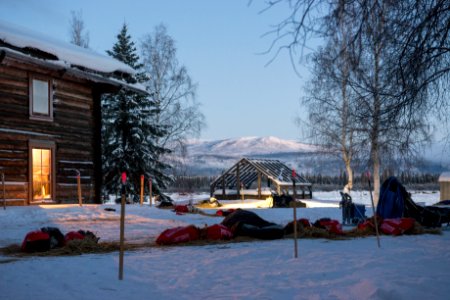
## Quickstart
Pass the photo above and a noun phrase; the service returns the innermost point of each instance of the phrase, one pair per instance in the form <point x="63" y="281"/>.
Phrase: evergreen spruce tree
<point x="128" y="132"/>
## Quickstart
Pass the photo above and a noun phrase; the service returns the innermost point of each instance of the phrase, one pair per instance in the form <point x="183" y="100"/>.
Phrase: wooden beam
<point x="212" y="187"/>
<point x="259" y="184"/>
<point x="238" y="180"/>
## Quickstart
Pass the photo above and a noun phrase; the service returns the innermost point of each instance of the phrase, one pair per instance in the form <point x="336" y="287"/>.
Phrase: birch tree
<point x="389" y="114"/>
<point x="78" y="35"/>
<point x="329" y="101"/>
<point x="171" y="89"/>
<point x="329" y="110"/>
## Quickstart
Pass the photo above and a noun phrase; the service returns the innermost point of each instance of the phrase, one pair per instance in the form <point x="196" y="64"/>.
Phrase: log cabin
<point x="50" y="117"/>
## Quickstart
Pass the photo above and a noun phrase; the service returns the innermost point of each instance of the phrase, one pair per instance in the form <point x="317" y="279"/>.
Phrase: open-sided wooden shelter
<point x="50" y="118"/>
<point x="246" y="178"/>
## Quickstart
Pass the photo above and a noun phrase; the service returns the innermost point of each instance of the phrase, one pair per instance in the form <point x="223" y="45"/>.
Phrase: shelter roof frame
<point x="248" y="170"/>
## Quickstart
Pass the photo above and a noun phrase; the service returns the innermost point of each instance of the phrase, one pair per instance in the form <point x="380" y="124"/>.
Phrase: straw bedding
<point x="90" y="246"/>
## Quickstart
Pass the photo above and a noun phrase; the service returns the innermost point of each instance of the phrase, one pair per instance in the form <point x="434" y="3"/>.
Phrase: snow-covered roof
<point x="69" y="54"/>
<point x="445" y="177"/>
<point x="24" y="44"/>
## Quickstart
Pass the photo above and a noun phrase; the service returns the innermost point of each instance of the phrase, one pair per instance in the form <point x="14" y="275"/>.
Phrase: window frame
<point x="39" y="144"/>
<point x="36" y="115"/>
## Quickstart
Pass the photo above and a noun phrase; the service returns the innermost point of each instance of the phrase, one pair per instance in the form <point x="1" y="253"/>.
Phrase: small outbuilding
<point x="444" y="184"/>
<point x="246" y="178"/>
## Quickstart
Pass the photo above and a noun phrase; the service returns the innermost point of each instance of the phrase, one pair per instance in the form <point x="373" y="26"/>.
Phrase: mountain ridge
<point x="249" y="146"/>
<point x="212" y="157"/>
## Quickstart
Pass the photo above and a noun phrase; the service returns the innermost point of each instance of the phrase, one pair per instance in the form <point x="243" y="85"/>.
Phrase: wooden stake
<point x="295" y="215"/>
<point x="80" y="201"/>
<point x="150" y="193"/>
<point x="122" y="226"/>
<point x="142" y="190"/>
<point x="373" y="210"/>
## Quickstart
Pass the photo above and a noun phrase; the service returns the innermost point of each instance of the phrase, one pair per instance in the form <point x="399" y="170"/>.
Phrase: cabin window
<point x="41" y="98"/>
<point x="42" y="171"/>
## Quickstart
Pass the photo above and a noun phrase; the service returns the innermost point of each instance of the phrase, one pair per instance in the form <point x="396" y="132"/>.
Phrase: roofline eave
<point x="65" y="69"/>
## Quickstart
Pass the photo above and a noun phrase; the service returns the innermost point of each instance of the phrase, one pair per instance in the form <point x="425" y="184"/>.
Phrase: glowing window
<point x="42" y="174"/>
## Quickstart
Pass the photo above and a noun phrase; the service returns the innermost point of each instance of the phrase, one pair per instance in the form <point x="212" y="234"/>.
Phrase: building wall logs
<point x="72" y="131"/>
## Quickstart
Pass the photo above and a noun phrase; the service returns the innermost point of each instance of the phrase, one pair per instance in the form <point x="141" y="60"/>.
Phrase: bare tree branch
<point x="77" y="35"/>
<point x="172" y="89"/>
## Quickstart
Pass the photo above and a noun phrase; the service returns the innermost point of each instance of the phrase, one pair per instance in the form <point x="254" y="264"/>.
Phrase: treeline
<point x="407" y="178"/>
<point x="191" y="184"/>
<point x="319" y="181"/>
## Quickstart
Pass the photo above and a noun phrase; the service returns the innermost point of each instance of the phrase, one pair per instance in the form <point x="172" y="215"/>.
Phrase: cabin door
<point x="42" y="174"/>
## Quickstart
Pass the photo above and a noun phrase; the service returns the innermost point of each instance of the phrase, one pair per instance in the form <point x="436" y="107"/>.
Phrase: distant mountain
<point x="247" y="146"/>
<point x="213" y="157"/>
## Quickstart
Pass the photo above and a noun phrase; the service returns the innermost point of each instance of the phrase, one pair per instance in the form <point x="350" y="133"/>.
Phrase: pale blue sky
<point x="218" y="41"/>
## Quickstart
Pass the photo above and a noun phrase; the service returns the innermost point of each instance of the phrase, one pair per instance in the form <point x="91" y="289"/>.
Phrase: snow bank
<point x="405" y="267"/>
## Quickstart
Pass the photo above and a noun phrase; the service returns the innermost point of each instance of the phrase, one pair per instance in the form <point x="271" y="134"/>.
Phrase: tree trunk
<point x="346" y="132"/>
<point x="349" y="170"/>
<point x="375" y="142"/>
<point x="376" y="178"/>
<point x="376" y="117"/>
<point x="346" y="136"/>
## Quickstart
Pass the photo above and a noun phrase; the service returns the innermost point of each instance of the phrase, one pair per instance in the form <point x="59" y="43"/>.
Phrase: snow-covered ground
<point x="405" y="267"/>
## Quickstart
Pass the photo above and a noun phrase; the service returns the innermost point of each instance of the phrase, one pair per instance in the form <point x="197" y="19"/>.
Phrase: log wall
<point x="73" y="131"/>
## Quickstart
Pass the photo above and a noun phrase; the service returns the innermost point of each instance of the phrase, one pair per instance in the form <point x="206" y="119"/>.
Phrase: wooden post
<point x="142" y="190"/>
<point x="4" y="193"/>
<point x="238" y="181"/>
<point x="80" y="201"/>
<point x="259" y="185"/>
<point x="122" y="225"/>
<point x="373" y="211"/>
<point x="150" y="193"/>
<point x="223" y="187"/>
<point x="295" y="215"/>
